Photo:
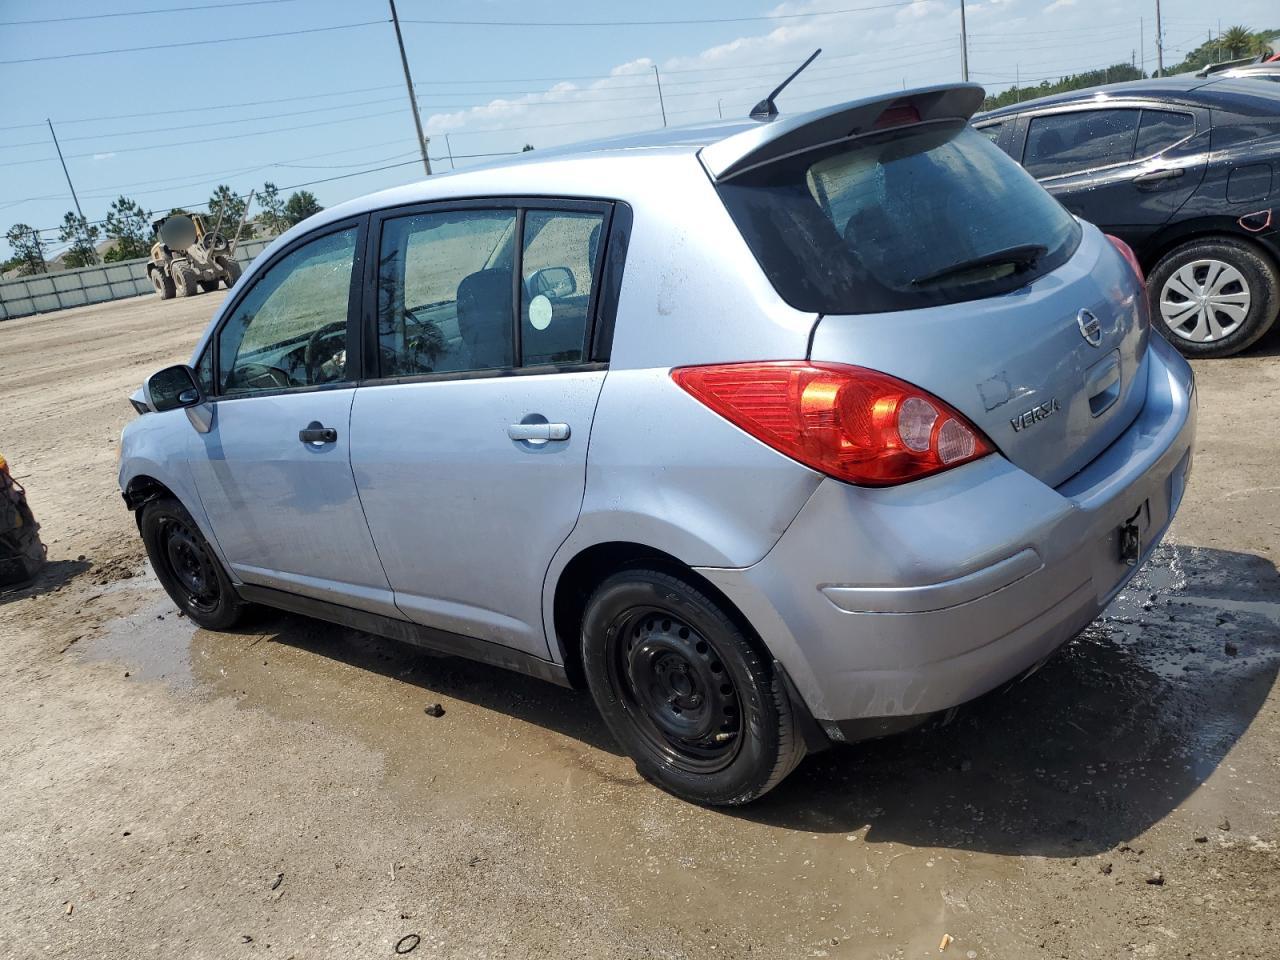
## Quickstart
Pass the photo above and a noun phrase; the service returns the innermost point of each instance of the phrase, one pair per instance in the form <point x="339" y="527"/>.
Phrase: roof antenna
<point x="766" y="109"/>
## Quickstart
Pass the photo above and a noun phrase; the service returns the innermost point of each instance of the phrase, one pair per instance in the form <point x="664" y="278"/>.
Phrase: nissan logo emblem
<point x="1090" y="327"/>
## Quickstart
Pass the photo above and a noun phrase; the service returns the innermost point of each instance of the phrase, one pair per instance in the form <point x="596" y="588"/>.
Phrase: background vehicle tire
<point x="208" y="286"/>
<point x="1214" y="297"/>
<point x="233" y="271"/>
<point x="184" y="279"/>
<point x="685" y="691"/>
<point x="186" y="566"/>
<point x="163" y="284"/>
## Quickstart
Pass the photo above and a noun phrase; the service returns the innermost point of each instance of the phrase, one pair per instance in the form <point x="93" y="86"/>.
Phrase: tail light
<point x="1126" y="251"/>
<point x="854" y="424"/>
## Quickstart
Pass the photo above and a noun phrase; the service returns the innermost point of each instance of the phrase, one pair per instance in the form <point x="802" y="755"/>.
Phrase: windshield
<point x="898" y="221"/>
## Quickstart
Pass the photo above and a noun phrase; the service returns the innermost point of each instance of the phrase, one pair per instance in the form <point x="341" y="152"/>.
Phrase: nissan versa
<point x="772" y="433"/>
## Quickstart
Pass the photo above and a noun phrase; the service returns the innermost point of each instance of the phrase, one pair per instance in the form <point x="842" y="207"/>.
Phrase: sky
<point x="323" y="103"/>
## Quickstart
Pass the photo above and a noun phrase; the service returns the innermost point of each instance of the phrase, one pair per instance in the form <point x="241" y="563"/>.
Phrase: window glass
<point x="204" y="371"/>
<point x="445" y="285"/>
<point x="992" y="131"/>
<point x="559" y="273"/>
<point x="1069" y="142"/>
<point x="290" y="330"/>
<point x="1160" y="129"/>
<point x="899" y="221"/>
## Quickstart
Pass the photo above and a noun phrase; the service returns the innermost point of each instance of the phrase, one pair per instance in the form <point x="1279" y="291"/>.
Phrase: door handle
<point x="316" y="432"/>
<point x="538" y="431"/>
<point x="1158" y="176"/>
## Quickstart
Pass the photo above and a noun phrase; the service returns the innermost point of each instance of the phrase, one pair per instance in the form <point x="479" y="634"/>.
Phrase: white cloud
<point x="1059" y="5"/>
<point x="103" y="156"/>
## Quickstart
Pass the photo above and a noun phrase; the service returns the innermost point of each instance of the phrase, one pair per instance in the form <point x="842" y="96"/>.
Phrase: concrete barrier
<point x="47" y="292"/>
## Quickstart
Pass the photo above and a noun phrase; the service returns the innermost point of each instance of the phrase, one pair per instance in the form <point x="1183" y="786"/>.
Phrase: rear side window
<point x="1070" y="142"/>
<point x="899" y="220"/>
<point x="1161" y="129"/>
<point x="558" y="267"/>
<point x="992" y="131"/>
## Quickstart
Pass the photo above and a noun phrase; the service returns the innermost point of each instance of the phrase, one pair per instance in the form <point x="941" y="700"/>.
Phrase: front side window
<point x="445" y="292"/>
<point x="1161" y="129"/>
<point x="558" y="268"/>
<point x="290" y="330"/>
<point x="1063" y="143"/>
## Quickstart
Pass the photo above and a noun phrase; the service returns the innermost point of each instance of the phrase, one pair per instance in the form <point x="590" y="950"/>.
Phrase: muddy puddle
<point x="883" y="847"/>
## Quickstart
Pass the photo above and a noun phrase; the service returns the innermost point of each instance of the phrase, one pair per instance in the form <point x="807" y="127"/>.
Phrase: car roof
<point x="1157" y="88"/>
<point x="611" y="166"/>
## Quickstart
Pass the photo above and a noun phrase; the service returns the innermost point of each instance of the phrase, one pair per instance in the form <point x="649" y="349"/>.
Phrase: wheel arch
<point x="591" y="565"/>
<point x="1209" y="228"/>
<point x="143" y="489"/>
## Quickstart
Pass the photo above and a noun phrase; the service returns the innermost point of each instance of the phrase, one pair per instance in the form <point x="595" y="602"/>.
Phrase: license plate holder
<point x="1132" y="535"/>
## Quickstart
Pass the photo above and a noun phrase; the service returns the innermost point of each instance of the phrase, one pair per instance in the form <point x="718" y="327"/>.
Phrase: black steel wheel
<point x="187" y="567"/>
<point x="691" y="697"/>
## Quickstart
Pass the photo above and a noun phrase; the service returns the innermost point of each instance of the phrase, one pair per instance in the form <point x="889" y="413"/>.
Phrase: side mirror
<point x="554" y="283"/>
<point x="171" y="388"/>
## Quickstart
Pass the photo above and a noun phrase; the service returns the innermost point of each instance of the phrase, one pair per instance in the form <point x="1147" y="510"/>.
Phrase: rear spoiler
<point x="786" y="136"/>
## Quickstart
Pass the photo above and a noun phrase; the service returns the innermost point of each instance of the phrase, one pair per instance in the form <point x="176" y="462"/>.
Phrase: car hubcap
<point x="190" y="565"/>
<point x="1205" y="300"/>
<point x="679" y="692"/>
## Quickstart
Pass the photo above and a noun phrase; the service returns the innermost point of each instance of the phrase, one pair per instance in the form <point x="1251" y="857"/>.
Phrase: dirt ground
<point x="280" y="792"/>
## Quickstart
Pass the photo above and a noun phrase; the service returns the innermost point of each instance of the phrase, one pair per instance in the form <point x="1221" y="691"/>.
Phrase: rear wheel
<point x="186" y="566"/>
<point x="685" y="691"/>
<point x="208" y="286"/>
<point x="184" y="279"/>
<point x="163" y="284"/>
<point x="1214" y="297"/>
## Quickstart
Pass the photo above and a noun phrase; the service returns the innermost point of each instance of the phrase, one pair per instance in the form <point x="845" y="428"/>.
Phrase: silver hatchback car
<point x="771" y="433"/>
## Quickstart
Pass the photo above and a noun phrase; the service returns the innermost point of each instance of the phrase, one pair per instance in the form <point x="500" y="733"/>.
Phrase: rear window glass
<point x="899" y="221"/>
<point x="1161" y="129"/>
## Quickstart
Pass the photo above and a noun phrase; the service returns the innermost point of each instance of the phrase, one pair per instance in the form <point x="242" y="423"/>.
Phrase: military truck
<point x="187" y="257"/>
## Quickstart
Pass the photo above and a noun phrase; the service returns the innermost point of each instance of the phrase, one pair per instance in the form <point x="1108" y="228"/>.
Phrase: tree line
<point x="1233" y="44"/>
<point x="129" y="226"/>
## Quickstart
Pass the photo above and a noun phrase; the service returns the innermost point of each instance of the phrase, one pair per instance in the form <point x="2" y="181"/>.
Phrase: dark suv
<point x="1186" y="170"/>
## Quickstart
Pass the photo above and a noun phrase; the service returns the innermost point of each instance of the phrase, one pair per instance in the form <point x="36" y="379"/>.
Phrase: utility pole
<point x="964" y="47"/>
<point x="1159" y="42"/>
<point x="1142" y="44"/>
<point x="1017" y="81"/>
<point x="84" y="226"/>
<point x="408" y="82"/>
<point x="449" y="147"/>
<point x="720" y="106"/>
<point x="661" y="104"/>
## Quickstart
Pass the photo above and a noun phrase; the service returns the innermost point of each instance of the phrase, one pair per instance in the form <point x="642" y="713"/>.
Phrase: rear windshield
<point x="899" y="220"/>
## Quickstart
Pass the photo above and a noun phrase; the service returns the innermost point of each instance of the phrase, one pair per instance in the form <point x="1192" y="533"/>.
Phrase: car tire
<point x="232" y="268"/>
<point x="1240" y="283"/>
<point x="686" y="692"/>
<point x="185" y="280"/>
<point x="163" y="284"/>
<point x="187" y="567"/>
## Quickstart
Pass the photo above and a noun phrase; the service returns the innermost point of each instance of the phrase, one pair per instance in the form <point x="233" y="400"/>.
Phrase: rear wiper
<point x="1023" y="256"/>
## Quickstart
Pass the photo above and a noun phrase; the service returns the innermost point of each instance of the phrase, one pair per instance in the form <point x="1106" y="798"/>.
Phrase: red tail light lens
<point x="854" y="424"/>
<point x="1126" y="251"/>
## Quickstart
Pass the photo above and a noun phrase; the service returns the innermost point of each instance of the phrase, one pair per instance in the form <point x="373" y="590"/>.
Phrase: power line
<point x="192" y="43"/>
<point x="655" y="23"/>
<point x="142" y="13"/>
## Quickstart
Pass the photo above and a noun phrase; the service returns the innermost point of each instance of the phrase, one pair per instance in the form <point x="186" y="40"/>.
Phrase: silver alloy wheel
<point x="1205" y="301"/>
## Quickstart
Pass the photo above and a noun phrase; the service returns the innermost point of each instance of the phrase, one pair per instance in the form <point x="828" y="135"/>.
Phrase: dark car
<point x="1186" y="170"/>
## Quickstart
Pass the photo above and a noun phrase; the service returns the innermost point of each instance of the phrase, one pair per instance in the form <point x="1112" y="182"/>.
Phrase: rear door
<point x="1126" y="168"/>
<point x="470" y="439"/>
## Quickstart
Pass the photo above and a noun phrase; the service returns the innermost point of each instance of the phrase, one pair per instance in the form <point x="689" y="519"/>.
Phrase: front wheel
<point x="187" y="567"/>
<point x="685" y="691"/>
<point x="232" y="269"/>
<point x="1214" y="297"/>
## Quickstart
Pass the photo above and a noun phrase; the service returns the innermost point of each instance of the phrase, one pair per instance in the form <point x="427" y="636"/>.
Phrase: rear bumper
<point x="887" y="606"/>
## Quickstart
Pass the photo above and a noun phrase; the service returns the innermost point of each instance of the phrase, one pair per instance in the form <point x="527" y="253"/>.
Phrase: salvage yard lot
<point x="281" y="792"/>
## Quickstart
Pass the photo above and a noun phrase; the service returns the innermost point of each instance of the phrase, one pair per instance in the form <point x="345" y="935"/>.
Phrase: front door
<point x="469" y="449"/>
<point x="273" y="470"/>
